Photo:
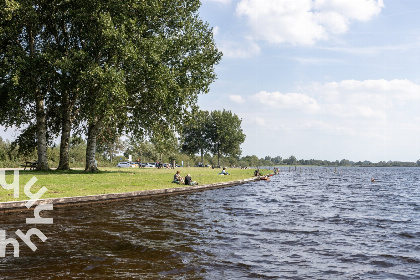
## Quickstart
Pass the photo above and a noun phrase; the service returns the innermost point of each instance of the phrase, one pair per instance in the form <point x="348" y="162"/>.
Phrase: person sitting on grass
<point x="189" y="181"/>
<point x="224" y="172"/>
<point x="177" y="178"/>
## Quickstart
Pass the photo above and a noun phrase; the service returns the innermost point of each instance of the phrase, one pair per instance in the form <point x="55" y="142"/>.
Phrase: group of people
<point x="178" y="179"/>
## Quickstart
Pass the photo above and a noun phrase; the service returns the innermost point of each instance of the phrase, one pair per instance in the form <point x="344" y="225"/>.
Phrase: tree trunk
<point x="202" y="156"/>
<point x="91" y="148"/>
<point x="41" y="133"/>
<point x="41" y="127"/>
<point x="65" y="134"/>
<point x="218" y="156"/>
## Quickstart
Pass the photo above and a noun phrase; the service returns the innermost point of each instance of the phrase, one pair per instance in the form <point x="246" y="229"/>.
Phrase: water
<point x="314" y="224"/>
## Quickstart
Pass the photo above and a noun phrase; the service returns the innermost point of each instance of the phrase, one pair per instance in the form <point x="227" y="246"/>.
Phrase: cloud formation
<point x="304" y="22"/>
<point x="279" y="100"/>
<point x="233" y="49"/>
<point x="348" y="105"/>
<point x="237" y="99"/>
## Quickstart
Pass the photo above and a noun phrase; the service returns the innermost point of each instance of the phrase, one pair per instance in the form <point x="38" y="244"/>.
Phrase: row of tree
<point x="101" y="68"/>
<point x="292" y="160"/>
<point x="149" y="152"/>
<point x="217" y="132"/>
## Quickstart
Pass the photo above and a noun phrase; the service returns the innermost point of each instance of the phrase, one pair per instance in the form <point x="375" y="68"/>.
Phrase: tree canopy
<point x="219" y="132"/>
<point x="131" y="66"/>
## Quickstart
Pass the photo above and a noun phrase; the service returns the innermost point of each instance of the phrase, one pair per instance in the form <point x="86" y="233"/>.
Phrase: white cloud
<point x="216" y="30"/>
<point x="304" y="22"/>
<point x="368" y="99"/>
<point x="237" y="99"/>
<point x="287" y="100"/>
<point x="345" y="106"/>
<point x="362" y="10"/>
<point x="386" y="93"/>
<point x="239" y="50"/>
<point x="375" y="50"/>
<point x="315" y="60"/>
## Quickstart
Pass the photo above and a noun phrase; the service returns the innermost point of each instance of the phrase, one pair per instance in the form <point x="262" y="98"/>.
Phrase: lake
<point x="312" y="223"/>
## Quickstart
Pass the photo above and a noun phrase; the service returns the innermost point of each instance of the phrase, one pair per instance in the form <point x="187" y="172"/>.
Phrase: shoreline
<point x="104" y="198"/>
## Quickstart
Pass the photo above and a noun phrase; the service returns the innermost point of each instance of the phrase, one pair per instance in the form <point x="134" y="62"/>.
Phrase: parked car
<point x="150" y="165"/>
<point x="126" y="164"/>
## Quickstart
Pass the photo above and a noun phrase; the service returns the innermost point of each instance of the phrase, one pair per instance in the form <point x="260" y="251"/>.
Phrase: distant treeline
<point x="278" y="160"/>
<point x="109" y="155"/>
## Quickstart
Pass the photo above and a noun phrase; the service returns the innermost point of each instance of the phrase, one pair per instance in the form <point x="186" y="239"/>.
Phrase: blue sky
<point x="322" y="79"/>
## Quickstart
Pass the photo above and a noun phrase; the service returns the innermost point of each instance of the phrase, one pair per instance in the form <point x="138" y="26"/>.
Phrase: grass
<point x="113" y="180"/>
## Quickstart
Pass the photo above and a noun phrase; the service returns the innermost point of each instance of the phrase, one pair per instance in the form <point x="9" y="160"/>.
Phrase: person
<point x="177" y="178"/>
<point x="189" y="181"/>
<point x="257" y="172"/>
<point x="224" y="172"/>
<point x="372" y="180"/>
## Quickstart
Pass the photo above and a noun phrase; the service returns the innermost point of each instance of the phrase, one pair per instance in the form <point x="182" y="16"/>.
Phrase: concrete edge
<point x="101" y="198"/>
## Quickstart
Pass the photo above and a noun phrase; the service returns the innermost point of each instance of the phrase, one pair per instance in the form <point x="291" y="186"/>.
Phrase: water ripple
<point x="314" y="224"/>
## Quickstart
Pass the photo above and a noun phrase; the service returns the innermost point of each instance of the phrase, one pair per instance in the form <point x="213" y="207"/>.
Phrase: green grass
<point x="113" y="180"/>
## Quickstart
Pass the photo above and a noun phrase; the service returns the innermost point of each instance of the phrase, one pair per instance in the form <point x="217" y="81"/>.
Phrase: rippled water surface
<point x="313" y="224"/>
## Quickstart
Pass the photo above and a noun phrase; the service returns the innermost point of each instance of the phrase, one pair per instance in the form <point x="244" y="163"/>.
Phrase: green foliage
<point x="134" y="65"/>
<point x="194" y="134"/>
<point x="225" y="133"/>
<point x="218" y="132"/>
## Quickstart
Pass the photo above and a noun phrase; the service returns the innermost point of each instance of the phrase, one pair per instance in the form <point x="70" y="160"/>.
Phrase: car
<point x="126" y="164"/>
<point x="150" y="165"/>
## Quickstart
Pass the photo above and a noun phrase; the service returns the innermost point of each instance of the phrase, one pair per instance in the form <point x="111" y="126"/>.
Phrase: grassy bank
<point x="113" y="180"/>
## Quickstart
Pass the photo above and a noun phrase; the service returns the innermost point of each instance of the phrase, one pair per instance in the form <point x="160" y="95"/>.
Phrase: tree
<point x="225" y="134"/>
<point x="277" y="160"/>
<point x="292" y="160"/>
<point x="26" y="75"/>
<point x="251" y="161"/>
<point x="89" y="61"/>
<point x="194" y="134"/>
<point x="153" y="59"/>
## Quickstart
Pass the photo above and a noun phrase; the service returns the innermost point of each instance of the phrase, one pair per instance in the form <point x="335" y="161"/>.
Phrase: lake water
<point x="313" y="224"/>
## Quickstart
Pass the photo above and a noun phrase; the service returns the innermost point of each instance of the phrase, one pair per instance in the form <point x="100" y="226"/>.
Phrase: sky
<point x="319" y="79"/>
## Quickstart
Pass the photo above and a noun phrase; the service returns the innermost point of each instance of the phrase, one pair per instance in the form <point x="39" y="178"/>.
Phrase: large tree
<point x="27" y="77"/>
<point x="219" y="132"/>
<point x="152" y="60"/>
<point x="194" y="135"/>
<point x="225" y="134"/>
<point x="132" y="65"/>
